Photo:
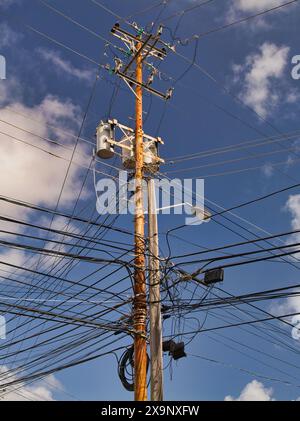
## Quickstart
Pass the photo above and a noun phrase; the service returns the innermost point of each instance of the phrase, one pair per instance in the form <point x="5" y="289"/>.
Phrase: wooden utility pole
<point x="140" y="46"/>
<point x="154" y="296"/>
<point x="140" y="305"/>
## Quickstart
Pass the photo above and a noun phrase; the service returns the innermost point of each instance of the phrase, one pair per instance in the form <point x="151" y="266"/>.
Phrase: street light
<point x="200" y="212"/>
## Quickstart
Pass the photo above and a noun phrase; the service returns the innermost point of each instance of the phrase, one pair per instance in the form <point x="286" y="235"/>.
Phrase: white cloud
<point x="239" y="9"/>
<point x="62" y="65"/>
<point x="293" y="97"/>
<point x="255" y="5"/>
<point x="8" y="36"/>
<point x="10" y="91"/>
<point x="293" y="206"/>
<point x="260" y="78"/>
<point x="268" y="169"/>
<point x="253" y="391"/>
<point x="27" y="173"/>
<point x="41" y="391"/>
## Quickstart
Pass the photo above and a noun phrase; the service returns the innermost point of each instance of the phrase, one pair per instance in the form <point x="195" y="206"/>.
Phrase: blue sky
<point x="241" y="91"/>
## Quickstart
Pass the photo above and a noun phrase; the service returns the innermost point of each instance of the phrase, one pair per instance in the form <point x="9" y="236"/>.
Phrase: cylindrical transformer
<point x="128" y="158"/>
<point x="150" y="156"/>
<point x="105" y="132"/>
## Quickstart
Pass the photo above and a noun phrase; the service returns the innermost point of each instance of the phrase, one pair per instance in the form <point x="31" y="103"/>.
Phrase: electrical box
<point x="105" y="133"/>
<point x="176" y="350"/>
<point x="214" y="276"/>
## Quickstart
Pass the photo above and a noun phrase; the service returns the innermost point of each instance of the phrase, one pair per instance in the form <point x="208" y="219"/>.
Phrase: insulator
<point x="169" y="93"/>
<point x="118" y="65"/>
<point x="150" y="79"/>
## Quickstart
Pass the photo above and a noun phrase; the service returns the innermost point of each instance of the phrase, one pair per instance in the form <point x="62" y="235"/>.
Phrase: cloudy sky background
<point x="252" y="64"/>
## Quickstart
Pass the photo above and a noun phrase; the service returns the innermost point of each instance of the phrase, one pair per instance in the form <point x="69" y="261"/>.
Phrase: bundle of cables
<point x="126" y="367"/>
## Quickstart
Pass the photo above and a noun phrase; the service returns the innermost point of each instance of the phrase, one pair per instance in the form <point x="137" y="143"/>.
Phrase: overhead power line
<point x="247" y="18"/>
<point x="250" y="322"/>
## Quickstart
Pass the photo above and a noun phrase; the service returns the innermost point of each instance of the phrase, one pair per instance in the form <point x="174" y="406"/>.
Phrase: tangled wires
<point x="125" y="369"/>
<point x="125" y="362"/>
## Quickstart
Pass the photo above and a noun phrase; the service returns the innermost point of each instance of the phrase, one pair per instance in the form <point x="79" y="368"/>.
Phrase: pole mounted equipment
<point x="176" y="350"/>
<point x="111" y="134"/>
<point x="148" y="47"/>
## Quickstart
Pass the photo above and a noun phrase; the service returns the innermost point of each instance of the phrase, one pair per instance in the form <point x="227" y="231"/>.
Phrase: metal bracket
<point x="127" y="37"/>
<point x="129" y="135"/>
<point x="148" y="47"/>
<point x="143" y="85"/>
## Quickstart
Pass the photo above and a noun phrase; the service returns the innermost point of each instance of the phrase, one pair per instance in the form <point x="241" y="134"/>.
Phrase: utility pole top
<point x="144" y="45"/>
